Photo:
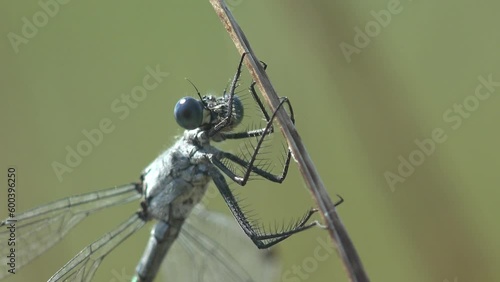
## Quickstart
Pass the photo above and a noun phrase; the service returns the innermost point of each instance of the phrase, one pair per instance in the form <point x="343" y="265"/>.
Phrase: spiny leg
<point x="340" y="201"/>
<point x="257" y="132"/>
<point x="259" y="237"/>
<point x="249" y="166"/>
<point x="261" y="172"/>
<point x="261" y="240"/>
<point x="227" y="120"/>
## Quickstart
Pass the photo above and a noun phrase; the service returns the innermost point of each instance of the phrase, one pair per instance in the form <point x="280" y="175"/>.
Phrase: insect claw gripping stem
<point x="254" y="231"/>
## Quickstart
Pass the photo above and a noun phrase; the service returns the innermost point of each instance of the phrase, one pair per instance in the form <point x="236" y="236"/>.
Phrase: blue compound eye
<point x="188" y="113"/>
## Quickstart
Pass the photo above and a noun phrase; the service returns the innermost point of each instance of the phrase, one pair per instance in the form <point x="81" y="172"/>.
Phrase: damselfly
<point x="169" y="189"/>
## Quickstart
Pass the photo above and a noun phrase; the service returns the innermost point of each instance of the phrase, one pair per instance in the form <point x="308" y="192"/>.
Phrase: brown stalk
<point x="338" y="233"/>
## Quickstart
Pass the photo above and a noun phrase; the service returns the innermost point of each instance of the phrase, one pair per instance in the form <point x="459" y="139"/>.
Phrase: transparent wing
<point x="83" y="266"/>
<point x="39" y="229"/>
<point x="212" y="247"/>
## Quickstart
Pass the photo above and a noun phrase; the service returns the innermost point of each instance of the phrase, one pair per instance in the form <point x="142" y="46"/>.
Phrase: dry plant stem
<point x="336" y="229"/>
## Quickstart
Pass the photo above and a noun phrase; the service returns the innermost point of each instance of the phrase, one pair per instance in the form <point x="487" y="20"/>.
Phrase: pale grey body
<point x="170" y="188"/>
<point x="173" y="184"/>
<point x="177" y="179"/>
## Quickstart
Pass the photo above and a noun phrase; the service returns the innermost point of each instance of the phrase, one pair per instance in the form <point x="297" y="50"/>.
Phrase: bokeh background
<point x="357" y="115"/>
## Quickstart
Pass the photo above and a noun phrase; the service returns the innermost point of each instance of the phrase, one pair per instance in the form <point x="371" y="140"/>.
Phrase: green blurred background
<point x="355" y="116"/>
